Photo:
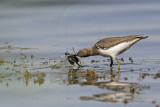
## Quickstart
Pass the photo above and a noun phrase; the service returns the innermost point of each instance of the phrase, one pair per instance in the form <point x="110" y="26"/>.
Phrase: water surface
<point x="34" y="35"/>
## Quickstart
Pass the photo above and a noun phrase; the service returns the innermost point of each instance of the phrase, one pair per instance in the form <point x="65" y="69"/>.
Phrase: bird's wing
<point x="106" y="43"/>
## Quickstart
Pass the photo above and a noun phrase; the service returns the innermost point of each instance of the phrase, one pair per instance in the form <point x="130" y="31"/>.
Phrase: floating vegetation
<point x="157" y="75"/>
<point x="132" y="70"/>
<point x="37" y="77"/>
<point x="17" y="65"/>
<point x="45" y="63"/>
<point x="31" y="70"/>
<point x="1" y="61"/>
<point x="143" y="75"/>
<point x="2" y="76"/>
<point x="19" y="78"/>
<point x="40" y="75"/>
<point x="7" y="84"/>
<point x="17" y="71"/>
<point x="32" y="56"/>
<point x="40" y="80"/>
<point x="1" y="81"/>
<point x="24" y="55"/>
<point x="5" y="75"/>
<point x="55" y="67"/>
<point x="27" y="74"/>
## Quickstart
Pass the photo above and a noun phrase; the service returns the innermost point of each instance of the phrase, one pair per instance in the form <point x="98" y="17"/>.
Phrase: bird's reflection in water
<point x="117" y="91"/>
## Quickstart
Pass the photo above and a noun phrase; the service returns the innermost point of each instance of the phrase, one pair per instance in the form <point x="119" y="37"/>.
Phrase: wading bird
<point x="110" y="47"/>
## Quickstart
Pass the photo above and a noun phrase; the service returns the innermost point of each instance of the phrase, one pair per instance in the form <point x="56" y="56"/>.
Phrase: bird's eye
<point x="97" y="46"/>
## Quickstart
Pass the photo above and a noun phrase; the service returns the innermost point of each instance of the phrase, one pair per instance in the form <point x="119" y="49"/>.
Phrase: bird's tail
<point x="142" y="37"/>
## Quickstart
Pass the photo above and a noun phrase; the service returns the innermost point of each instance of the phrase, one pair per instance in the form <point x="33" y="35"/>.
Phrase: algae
<point x="55" y="67"/>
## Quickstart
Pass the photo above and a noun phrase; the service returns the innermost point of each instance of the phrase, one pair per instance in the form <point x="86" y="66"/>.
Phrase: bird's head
<point x="85" y="52"/>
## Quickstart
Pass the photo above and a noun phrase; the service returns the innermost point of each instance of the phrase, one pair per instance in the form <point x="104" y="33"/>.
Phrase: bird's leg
<point x="111" y="61"/>
<point x="118" y="61"/>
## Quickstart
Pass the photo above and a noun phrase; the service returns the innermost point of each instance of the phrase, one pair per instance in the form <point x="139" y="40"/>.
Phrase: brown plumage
<point x="110" y="42"/>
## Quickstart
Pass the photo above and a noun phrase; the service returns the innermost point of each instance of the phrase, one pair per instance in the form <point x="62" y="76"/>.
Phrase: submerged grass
<point x="21" y="65"/>
<point x="1" y="61"/>
<point x="38" y="77"/>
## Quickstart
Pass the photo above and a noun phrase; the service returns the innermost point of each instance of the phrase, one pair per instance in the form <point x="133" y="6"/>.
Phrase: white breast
<point x="118" y="49"/>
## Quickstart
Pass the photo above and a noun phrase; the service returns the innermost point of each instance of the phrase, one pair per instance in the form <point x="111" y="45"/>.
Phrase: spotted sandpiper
<point x="111" y="47"/>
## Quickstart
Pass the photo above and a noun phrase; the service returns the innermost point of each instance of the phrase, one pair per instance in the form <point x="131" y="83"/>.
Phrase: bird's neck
<point x="85" y="52"/>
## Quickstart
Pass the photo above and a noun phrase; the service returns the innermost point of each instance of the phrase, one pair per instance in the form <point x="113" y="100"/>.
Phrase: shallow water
<point x="34" y="35"/>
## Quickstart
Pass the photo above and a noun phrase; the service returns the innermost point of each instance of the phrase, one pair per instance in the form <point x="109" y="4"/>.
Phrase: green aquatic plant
<point x="17" y="71"/>
<point x="2" y="76"/>
<point x="38" y="77"/>
<point x="17" y="65"/>
<point x="157" y="75"/>
<point x="27" y="75"/>
<point x="32" y="56"/>
<point x="1" y="81"/>
<point x="7" y="84"/>
<point x="40" y="80"/>
<point x="5" y="75"/>
<point x="1" y="61"/>
<point x="19" y="78"/>
<point x="39" y="74"/>
<point x="55" y="67"/>
<point x="42" y="74"/>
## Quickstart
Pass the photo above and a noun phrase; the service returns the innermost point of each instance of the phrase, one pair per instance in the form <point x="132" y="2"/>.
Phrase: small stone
<point x="153" y="102"/>
<point x="131" y="60"/>
<point x="125" y="78"/>
<point x="131" y="70"/>
<point x="92" y="61"/>
<point x="122" y="59"/>
<point x="125" y="101"/>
